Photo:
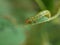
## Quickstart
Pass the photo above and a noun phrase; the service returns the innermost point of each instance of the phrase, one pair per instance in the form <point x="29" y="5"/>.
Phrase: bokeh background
<point x="13" y="31"/>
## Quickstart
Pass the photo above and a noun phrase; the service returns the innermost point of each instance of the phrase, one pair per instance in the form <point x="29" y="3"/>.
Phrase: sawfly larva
<point x="34" y="19"/>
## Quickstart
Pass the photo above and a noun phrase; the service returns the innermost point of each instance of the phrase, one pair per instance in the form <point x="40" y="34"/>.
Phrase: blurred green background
<point x="13" y="14"/>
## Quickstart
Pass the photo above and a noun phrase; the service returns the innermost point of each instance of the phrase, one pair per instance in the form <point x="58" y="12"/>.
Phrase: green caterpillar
<point x="34" y="19"/>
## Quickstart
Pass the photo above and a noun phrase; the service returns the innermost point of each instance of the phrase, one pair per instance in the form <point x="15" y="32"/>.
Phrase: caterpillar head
<point x="30" y="20"/>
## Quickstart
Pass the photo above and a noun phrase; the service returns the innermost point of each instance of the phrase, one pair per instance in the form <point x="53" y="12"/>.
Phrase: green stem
<point x="44" y="38"/>
<point x="41" y="4"/>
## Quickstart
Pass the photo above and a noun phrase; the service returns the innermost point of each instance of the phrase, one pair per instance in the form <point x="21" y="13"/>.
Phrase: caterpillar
<point x="34" y="19"/>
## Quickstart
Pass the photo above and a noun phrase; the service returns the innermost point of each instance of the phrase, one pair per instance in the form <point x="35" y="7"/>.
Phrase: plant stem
<point x="41" y="4"/>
